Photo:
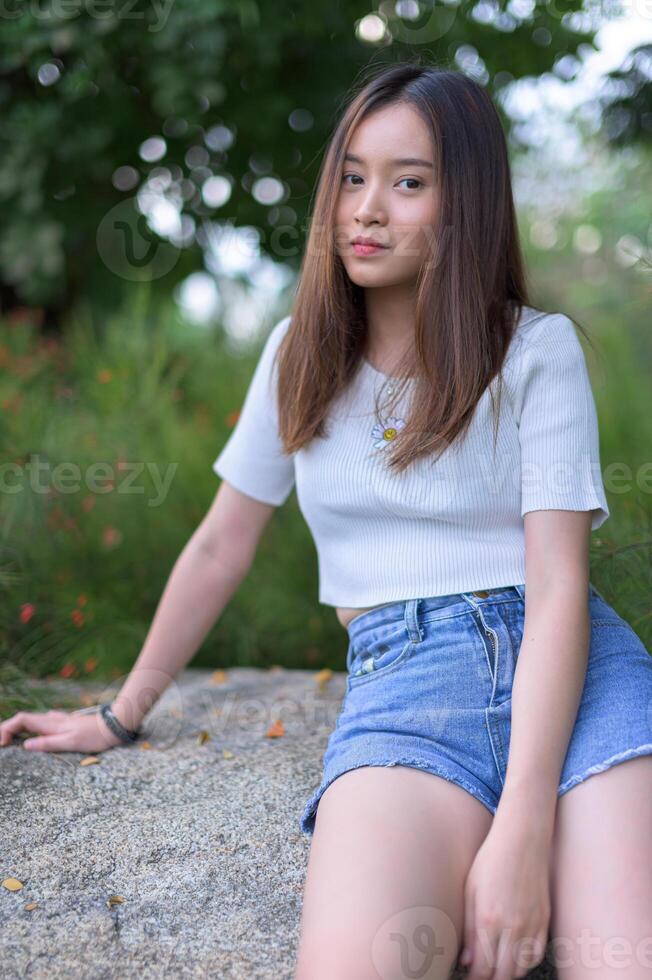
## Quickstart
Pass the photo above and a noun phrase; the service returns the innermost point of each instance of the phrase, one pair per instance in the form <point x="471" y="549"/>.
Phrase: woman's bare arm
<point x="205" y="576"/>
<point x="551" y="668"/>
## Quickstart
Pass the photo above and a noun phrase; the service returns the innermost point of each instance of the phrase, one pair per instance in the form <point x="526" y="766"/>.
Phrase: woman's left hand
<point x="506" y="907"/>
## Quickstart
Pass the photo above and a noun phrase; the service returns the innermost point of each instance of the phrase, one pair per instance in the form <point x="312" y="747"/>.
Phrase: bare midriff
<point x="346" y="615"/>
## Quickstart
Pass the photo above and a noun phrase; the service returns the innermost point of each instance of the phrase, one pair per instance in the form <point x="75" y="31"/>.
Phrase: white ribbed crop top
<point x="454" y="525"/>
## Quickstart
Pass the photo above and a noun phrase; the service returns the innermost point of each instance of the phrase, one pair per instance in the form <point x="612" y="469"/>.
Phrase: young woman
<point x="488" y="784"/>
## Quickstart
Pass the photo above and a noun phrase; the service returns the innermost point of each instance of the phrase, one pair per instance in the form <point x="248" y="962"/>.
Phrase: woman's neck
<point x="390" y="325"/>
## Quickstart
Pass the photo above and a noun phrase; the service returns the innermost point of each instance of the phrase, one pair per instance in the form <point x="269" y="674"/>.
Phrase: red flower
<point x="77" y="617"/>
<point x="68" y="670"/>
<point x="111" y="536"/>
<point x="27" y="610"/>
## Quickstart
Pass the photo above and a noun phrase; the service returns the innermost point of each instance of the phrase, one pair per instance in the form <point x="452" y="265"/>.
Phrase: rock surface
<point x="198" y="834"/>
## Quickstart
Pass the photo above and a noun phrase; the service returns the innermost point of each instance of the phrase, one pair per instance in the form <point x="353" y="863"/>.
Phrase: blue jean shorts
<point x="429" y="685"/>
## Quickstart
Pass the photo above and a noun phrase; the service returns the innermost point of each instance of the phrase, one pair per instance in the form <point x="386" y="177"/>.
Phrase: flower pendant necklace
<point x="386" y="431"/>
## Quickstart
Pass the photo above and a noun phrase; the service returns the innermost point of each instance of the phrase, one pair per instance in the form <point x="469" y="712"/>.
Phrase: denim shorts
<point x="429" y="685"/>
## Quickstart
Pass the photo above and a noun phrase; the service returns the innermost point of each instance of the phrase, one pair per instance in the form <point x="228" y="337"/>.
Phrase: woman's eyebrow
<point x="401" y="162"/>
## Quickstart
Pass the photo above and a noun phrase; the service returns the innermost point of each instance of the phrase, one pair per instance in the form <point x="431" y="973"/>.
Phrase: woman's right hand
<point x="60" y="731"/>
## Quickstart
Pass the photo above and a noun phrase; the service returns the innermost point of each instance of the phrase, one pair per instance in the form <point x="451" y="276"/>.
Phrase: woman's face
<point x="387" y="193"/>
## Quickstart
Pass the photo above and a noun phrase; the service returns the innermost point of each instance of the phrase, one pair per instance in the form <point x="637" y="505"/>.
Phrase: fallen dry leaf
<point x="275" y="668"/>
<point x="227" y="754"/>
<point x="30" y="906"/>
<point x="115" y="900"/>
<point x="276" y="729"/>
<point x="219" y="677"/>
<point x="145" y="745"/>
<point x="90" y="760"/>
<point x="87" y="700"/>
<point x="12" y="884"/>
<point x="203" y="737"/>
<point x="323" y="676"/>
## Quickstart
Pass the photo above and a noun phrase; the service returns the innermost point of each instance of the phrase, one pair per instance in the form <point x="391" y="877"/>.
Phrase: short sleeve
<point x="558" y="424"/>
<point x="252" y="459"/>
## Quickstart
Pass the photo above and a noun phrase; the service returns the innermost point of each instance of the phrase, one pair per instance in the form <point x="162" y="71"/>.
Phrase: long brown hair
<point x="469" y="292"/>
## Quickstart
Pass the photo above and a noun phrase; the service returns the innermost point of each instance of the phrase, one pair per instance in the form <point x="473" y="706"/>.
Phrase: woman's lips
<point x="368" y="249"/>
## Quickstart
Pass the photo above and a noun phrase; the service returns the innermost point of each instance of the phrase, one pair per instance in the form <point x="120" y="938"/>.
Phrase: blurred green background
<point x="156" y="177"/>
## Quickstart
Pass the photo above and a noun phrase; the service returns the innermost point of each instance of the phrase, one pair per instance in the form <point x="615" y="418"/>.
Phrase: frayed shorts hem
<point x="613" y="760"/>
<point x="307" y="821"/>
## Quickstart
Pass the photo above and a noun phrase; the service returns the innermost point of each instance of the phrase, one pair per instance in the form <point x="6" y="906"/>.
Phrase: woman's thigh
<point x="602" y="876"/>
<point x="384" y="889"/>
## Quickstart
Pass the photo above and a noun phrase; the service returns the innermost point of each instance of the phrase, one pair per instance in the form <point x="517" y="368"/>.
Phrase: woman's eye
<point x="411" y="179"/>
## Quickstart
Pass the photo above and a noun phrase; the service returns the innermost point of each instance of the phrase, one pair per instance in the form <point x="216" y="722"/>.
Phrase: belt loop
<point x="521" y="590"/>
<point x="414" y="631"/>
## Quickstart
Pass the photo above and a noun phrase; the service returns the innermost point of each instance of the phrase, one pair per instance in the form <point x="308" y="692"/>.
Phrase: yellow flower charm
<point x="385" y="432"/>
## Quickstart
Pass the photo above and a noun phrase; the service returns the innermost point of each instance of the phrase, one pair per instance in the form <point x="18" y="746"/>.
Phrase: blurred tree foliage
<point x="626" y="103"/>
<point x="233" y="88"/>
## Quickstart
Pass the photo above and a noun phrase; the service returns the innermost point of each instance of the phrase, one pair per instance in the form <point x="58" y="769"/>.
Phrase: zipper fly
<point x="492" y="634"/>
<point x="494" y="644"/>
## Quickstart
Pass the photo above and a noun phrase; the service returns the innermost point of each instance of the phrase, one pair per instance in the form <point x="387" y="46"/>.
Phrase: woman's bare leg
<point x="384" y="890"/>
